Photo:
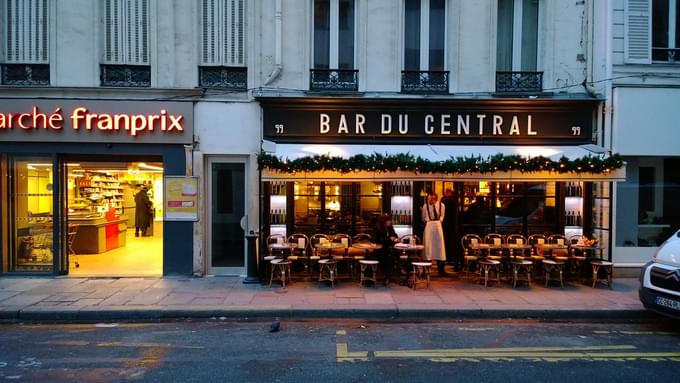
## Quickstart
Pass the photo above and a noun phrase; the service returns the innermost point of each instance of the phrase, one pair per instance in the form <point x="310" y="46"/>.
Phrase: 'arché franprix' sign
<point x="409" y="121"/>
<point x="96" y="121"/>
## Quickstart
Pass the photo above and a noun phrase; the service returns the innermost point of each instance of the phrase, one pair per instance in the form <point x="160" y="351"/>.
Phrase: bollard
<point x="251" y="262"/>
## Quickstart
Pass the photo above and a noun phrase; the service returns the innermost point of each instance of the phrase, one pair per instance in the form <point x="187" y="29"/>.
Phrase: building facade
<point x="294" y="78"/>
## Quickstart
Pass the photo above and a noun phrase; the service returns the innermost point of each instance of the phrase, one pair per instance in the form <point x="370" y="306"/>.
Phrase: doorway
<point x="115" y="217"/>
<point x="226" y="209"/>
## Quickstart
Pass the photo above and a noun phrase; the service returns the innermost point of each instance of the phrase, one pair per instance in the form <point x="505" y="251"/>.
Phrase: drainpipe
<point x="278" y="65"/>
<point x="589" y="51"/>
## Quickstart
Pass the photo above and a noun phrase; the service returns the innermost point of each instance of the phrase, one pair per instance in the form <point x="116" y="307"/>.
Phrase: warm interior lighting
<point x="484" y="188"/>
<point x="150" y="167"/>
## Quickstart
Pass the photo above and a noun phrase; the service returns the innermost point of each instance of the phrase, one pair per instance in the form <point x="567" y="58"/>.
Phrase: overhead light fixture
<point x="40" y="165"/>
<point x="73" y="164"/>
<point x="151" y="167"/>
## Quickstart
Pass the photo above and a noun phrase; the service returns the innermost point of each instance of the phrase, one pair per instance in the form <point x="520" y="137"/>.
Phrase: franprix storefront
<point x="96" y="187"/>
<point x="511" y="166"/>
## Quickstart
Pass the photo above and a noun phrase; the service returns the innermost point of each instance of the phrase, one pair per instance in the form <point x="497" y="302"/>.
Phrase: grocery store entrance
<point x="115" y="217"/>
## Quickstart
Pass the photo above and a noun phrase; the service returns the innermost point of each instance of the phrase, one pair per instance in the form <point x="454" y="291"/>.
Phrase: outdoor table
<point x="487" y="247"/>
<point x="549" y="247"/>
<point x="330" y="246"/>
<point x="407" y="247"/>
<point x="513" y="246"/>
<point x="282" y="247"/>
<point x="368" y="247"/>
<point x="585" y="249"/>
<point x="403" y="259"/>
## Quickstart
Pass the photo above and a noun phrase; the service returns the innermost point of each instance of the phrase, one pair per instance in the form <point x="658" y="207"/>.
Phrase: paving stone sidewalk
<point x="169" y="297"/>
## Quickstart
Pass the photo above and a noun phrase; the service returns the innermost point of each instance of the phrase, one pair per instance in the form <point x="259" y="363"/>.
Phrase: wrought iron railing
<point x="25" y="74"/>
<point x="344" y="80"/>
<point x="519" y="82"/>
<point x="231" y="78"/>
<point x="425" y="82"/>
<point x="670" y="55"/>
<point x="126" y="75"/>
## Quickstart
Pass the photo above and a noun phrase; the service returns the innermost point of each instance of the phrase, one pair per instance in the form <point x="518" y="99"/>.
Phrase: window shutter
<point x="638" y="32"/>
<point x="126" y="32"/>
<point x="113" y="32"/>
<point x="137" y="23"/>
<point x="27" y="28"/>
<point x="210" y="36"/>
<point x="234" y="17"/>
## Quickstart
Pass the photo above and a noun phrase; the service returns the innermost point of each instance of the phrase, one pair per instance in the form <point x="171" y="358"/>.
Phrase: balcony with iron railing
<point x="424" y="82"/>
<point x="230" y="78"/>
<point x="335" y="80"/>
<point x="666" y="55"/>
<point x="519" y="82"/>
<point x="126" y="76"/>
<point x="25" y="74"/>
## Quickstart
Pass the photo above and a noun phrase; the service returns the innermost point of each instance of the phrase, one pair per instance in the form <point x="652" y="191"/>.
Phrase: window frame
<point x="517" y="33"/>
<point x="671" y="29"/>
<point x="424" y="59"/>
<point x="334" y="35"/>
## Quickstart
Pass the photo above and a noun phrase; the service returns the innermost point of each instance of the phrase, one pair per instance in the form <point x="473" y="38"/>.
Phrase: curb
<point x="122" y="313"/>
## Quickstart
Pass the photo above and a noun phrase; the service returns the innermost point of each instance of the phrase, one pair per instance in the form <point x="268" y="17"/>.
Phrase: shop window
<point x="333" y="47"/>
<point x="223" y="53"/>
<point x="517" y="46"/>
<point x="126" y="62"/>
<point x="666" y="30"/>
<point x="424" y="47"/>
<point x="647" y="208"/>
<point x="30" y="211"/>
<point x="26" y="44"/>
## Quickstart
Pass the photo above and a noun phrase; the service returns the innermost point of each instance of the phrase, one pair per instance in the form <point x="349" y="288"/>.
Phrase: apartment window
<point x="26" y="48"/>
<point x="666" y="30"/>
<point x="334" y="35"/>
<point x="223" y="55"/>
<point x="424" y="47"/>
<point x="517" y="46"/>
<point x="126" y="44"/>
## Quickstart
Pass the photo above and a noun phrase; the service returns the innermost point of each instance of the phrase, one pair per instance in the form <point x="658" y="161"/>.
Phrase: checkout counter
<point x="98" y="234"/>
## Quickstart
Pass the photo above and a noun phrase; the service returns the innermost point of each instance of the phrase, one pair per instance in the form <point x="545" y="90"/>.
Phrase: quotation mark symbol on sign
<point x="279" y="128"/>
<point x="575" y="130"/>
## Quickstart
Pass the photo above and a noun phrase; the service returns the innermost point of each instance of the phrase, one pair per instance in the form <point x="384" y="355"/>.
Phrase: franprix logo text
<point x="81" y="119"/>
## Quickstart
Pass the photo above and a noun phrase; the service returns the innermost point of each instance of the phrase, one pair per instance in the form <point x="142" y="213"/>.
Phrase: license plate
<point x="668" y="303"/>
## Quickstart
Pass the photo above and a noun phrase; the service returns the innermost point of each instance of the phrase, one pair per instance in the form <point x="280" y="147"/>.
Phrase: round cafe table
<point x="511" y="247"/>
<point x="282" y="247"/>
<point x="589" y="249"/>
<point x="330" y="246"/>
<point x="549" y="247"/>
<point x="368" y="247"/>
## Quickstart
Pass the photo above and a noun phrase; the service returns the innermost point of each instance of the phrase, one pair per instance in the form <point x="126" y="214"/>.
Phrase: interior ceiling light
<point x="151" y="167"/>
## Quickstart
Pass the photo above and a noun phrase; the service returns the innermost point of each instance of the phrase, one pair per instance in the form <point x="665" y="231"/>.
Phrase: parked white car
<point x="660" y="279"/>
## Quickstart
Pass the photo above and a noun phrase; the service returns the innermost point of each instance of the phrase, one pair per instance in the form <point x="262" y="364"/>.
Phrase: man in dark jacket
<point x="143" y="214"/>
<point x="449" y="228"/>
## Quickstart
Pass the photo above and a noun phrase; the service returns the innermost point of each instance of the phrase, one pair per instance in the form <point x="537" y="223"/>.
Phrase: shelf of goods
<point x="573" y="209"/>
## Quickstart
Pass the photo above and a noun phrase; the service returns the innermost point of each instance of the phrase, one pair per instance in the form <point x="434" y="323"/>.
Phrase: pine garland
<point x="382" y="163"/>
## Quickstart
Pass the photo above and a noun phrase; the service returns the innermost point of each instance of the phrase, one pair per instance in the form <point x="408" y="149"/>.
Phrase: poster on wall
<point x="181" y="198"/>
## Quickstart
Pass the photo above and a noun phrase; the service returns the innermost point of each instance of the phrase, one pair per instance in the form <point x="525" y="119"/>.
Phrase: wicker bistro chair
<point x="316" y="255"/>
<point x="471" y="252"/>
<point x="270" y="255"/>
<point x="517" y="239"/>
<point x="496" y="240"/>
<point x="536" y="241"/>
<point x="342" y="254"/>
<point x="558" y="239"/>
<point x="576" y="258"/>
<point x="299" y="254"/>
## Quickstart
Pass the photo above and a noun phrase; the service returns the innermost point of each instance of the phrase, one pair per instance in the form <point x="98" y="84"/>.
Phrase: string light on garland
<point x="385" y="163"/>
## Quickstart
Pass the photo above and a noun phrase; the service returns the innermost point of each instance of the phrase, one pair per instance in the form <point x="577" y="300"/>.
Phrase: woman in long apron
<point x="432" y="214"/>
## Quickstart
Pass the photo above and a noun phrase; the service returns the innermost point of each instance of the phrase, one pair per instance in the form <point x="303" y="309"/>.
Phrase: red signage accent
<point x="82" y="119"/>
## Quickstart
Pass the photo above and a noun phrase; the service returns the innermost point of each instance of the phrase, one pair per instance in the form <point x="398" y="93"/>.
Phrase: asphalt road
<point x="341" y="351"/>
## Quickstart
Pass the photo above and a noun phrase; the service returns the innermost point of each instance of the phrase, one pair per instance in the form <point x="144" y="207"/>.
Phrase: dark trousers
<point x="386" y="260"/>
<point x="140" y="229"/>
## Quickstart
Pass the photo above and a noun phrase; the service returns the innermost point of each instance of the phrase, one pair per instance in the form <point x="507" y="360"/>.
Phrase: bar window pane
<point x="346" y="35"/>
<point x="529" y="34"/>
<point x="437" y="34"/>
<point x="322" y="15"/>
<point x="412" y="35"/>
<point x="660" y="29"/>
<point x="504" y="35"/>
<point x="31" y="222"/>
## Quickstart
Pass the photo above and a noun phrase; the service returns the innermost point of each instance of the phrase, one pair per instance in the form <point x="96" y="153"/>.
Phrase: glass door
<point x="227" y="201"/>
<point x="31" y="214"/>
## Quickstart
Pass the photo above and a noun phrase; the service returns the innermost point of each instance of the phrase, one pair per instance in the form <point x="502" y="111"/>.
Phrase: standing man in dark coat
<point x="449" y="228"/>
<point x="143" y="214"/>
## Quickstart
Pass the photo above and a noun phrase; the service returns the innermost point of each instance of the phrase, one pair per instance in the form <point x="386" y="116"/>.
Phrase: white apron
<point x="433" y="239"/>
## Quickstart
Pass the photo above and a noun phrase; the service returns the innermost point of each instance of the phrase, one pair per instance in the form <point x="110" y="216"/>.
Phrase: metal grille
<point x="428" y="82"/>
<point x="233" y="78"/>
<point x="126" y="75"/>
<point x="665" y="279"/>
<point x="25" y="74"/>
<point x="670" y="55"/>
<point x="519" y="82"/>
<point x="346" y="80"/>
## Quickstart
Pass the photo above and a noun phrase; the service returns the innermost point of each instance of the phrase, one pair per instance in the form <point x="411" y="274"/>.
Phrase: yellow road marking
<point x="480" y="329"/>
<point x="342" y="352"/>
<point x="144" y="345"/>
<point x="623" y="332"/>
<point x="467" y="351"/>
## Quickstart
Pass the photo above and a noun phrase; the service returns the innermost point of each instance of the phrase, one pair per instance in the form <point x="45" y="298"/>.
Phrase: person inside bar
<point x="449" y="228"/>
<point x="432" y="214"/>
<point x="387" y="237"/>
